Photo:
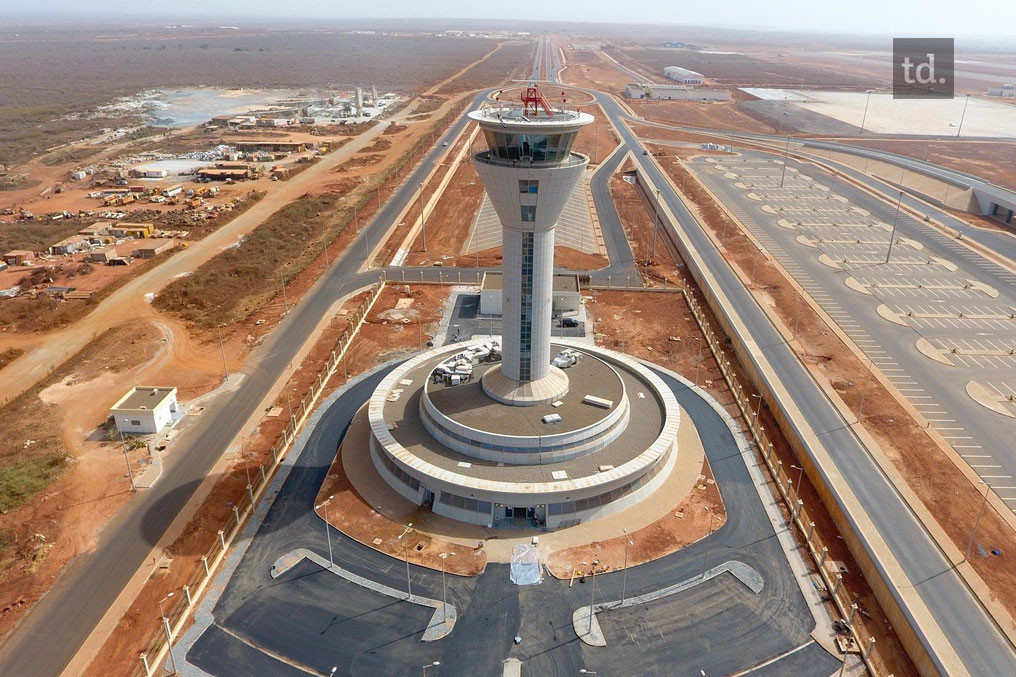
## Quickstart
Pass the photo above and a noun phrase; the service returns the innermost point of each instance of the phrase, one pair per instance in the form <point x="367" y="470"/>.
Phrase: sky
<point x="930" y="18"/>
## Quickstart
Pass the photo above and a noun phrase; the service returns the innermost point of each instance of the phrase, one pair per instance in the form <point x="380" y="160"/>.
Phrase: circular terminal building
<point x="439" y="439"/>
<point x="523" y="430"/>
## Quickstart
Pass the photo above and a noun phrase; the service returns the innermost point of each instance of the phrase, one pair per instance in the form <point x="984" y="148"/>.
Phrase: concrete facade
<point x="529" y="173"/>
<point x="145" y="410"/>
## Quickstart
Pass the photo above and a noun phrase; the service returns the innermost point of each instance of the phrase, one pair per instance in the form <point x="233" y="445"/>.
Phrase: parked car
<point x="569" y="322"/>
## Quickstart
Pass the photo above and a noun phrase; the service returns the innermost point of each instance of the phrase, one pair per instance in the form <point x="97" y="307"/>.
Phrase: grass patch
<point x="24" y="479"/>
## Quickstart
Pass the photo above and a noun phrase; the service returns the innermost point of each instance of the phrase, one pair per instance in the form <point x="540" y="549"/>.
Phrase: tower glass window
<point x="526" y="310"/>
<point x="528" y="186"/>
<point x="528" y="213"/>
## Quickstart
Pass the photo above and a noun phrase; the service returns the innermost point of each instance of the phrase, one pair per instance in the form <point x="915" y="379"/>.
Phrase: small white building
<point x="145" y="409"/>
<point x="566" y="296"/>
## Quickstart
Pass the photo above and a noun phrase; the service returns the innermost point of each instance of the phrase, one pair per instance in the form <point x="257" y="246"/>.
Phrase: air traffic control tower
<point x="529" y="171"/>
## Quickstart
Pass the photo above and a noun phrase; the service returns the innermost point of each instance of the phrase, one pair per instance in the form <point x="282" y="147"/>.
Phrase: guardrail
<point x="178" y="611"/>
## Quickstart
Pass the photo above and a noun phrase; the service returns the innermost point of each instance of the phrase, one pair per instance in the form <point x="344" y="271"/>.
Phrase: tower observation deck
<point x="528" y="170"/>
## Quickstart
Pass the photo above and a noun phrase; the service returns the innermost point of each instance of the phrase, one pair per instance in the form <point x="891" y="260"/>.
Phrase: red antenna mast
<point x="534" y="98"/>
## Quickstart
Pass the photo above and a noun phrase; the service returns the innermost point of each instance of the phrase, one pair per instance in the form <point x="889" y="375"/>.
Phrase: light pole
<point x="892" y="235"/>
<point x="786" y="152"/>
<point x="656" y="224"/>
<point x="409" y="582"/>
<point x="963" y="116"/>
<point x="169" y="636"/>
<point x="328" y="531"/>
<point x="698" y="359"/>
<point x="444" y="587"/>
<point x="865" y="116"/>
<point x="285" y="301"/>
<point x="583" y="671"/>
<point x="758" y="408"/>
<point x="705" y="555"/>
<point x="592" y="596"/>
<point x="977" y="522"/>
<point x="624" y="579"/>
<point x="429" y="665"/>
<point x="864" y="392"/>
<point x="332" y="673"/>
<point x="800" y="477"/>
<point x="423" y="219"/>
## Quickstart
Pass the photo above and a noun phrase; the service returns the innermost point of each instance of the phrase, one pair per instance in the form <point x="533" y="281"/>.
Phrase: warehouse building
<point x="683" y="75"/>
<point x="674" y="93"/>
<point x="153" y="247"/>
<point x="145" y="410"/>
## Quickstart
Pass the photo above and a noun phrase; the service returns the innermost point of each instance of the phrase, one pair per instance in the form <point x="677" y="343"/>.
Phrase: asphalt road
<point x="317" y="620"/>
<point x="975" y="638"/>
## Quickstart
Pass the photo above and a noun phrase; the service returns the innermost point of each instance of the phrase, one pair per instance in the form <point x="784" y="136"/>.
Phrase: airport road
<point x="974" y="637"/>
<point x="943" y="311"/>
<point x="316" y="620"/>
<point x="92" y="582"/>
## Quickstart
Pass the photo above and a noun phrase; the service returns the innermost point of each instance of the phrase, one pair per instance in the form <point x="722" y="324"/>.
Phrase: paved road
<point x="935" y="390"/>
<point x="976" y="640"/>
<point x="318" y="620"/>
<point x="92" y="582"/>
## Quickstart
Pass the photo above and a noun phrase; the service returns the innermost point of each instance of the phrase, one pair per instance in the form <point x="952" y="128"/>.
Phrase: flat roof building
<point x="683" y="75"/>
<point x="145" y="410"/>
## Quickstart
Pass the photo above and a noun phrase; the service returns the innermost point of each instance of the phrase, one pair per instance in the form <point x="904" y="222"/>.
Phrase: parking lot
<point x="936" y="318"/>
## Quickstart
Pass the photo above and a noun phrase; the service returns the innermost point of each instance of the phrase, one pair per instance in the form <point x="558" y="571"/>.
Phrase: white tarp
<point x="525" y="567"/>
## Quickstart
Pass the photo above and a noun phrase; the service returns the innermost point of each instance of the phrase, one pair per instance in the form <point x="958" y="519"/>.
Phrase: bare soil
<point x="377" y="341"/>
<point x="991" y="160"/>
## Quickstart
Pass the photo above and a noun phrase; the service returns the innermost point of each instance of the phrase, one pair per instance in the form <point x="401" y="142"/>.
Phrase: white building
<point x="1007" y="91"/>
<point x="145" y="409"/>
<point x="674" y="92"/>
<point x="683" y="75"/>
<point x="567" y="296"/>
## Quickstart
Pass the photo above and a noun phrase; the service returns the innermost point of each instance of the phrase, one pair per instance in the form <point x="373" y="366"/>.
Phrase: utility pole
<point x="624" y="579"/>
<point x="405" y="543"/>
<point x="130" y="473"/>
<point x="285" y="300"/>
<point x="865" y="116"/>
<point x="222" y="351"/>
<point x="892" y="235"/>
<point x="328" y="531"/>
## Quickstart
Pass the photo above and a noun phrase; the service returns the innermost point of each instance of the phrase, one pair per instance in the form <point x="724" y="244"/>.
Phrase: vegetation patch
<point x="237" y="282"/>
<point x="9" y="355"/>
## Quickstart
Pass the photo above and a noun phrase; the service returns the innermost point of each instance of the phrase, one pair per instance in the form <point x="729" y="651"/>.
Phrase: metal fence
<point x="831" y="579"/>
<point x="177" y="608"/>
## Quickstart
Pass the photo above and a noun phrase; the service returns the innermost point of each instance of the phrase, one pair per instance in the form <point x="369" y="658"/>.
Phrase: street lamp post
<point x="977" y="522"/>
<point x="786" y="152"/>
<point x="328" y="531"/>
<point x="222" y="351"/>
<point x="800" y="478"/>
<point x="865" y="116"/>
<point x="444" y="586"/>
<point x="624" y="579"/>
<point x="758" y="409"/>
<point x="409" y="582"/>
<point x="429" y="665"/>
<point x="592" y="597"/>
<point x="963" y="116"/>
<point x="169" y="635"/>
<point x="892" y="235"/>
